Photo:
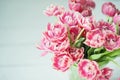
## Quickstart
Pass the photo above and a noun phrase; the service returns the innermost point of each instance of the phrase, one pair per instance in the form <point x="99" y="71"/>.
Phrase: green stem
<point x="79" y="35"/>
<point x="69" y="37"/>
<point x="117" y="29"/>
<point x="118" y="65"/>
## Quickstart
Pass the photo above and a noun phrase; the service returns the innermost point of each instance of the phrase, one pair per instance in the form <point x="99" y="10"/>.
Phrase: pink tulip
<point x="54" y="10"/>
<point x="106" y="27"/>
<point x="109" y="9"/>
<point x="88" y="69"/>
<point x="68" y="18"/>
<point x="116" y="19"/>
<point x="75" y="7"/>
<point x="107" y="72"/>
<point x="95" y="38"/>
<point x="90" y="3"/>
<point x="112" y="41"/>
<point x="82" y="6"/>
<point x="74" y="31"/>
<point x="56" y="33"/>
<point x="62" y="61"/>
<point x="88" y="23"/>
<point x="86" y="12"/>
<point x="45" y="45"/>
<point x="76" y="53"/>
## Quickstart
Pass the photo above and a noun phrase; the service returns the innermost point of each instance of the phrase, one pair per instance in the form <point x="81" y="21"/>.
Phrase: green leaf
<point x="115" y="53"/>
<point x="97" y="56"/>
<point x="98" y="50"/>
<point x="90" y="51"/>
<point x="103" y="63"/>
<point x="79" y="42"/>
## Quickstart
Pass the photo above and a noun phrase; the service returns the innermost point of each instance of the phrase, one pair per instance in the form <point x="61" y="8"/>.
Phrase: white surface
<point x="21" y="26"/>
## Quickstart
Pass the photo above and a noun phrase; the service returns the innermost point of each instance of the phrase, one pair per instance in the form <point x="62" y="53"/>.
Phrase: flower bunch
<point x="77" y="39"/>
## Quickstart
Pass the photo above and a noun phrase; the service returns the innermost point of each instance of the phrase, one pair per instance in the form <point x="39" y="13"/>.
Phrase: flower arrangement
<point x="77" y="40"/>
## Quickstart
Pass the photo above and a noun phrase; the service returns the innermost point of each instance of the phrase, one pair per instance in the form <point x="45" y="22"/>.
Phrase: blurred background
<point x="21" y="25"/>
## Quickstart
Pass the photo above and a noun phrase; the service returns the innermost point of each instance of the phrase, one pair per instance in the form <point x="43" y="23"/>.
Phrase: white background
<point x="21" y="25"/>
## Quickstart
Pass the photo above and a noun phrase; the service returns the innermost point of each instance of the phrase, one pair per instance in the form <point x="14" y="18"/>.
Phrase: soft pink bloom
<point x="82" y="6"/>
<point x="61" y="46"/>
<point x="90" y="3"/>
<point x="109" y="9"/>
<point x="76" y="6"/>
<point x="56" y="33"/>
<point x="45" y="45"/>
<point x="95" y="38"/>
<point x="86" y="12"/>
<point x="62" y="61"/>
<point x="76" y="53"/>
<point x="116" y="19"/>
<point x="74" y="31"/>
<point x="87" y="23"/>
<point x="54" y="10"/>
<point x="68" y="18"/>
<point x="106" y="72"/>
<point x="48" y="46"/>
<point x="112" y="41"/>
<point x="88" y="69"/>
<point x="106" y="27"/>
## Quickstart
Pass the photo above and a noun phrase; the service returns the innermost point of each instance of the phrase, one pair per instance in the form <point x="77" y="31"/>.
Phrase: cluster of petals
<point x="88" y="23"/>
<point x="106" y="27"/>
<point x="76" y="53"/>
<point x="112" y="41"/>
<point x="106" y="73"/>
<point x="68" y="18"/>
<point x="109" y="9"/>
<point x="95" y="38"/>
<point x="54" y="10"/>
<point x="56" y="33"/>
<point x="82" y="6"/>
<point x="55" y="38"/>
<point x="88" y="69"/>
<point x="62" y="61"/>
<point x="74" y="31"/>
<point x="116" y="19"/>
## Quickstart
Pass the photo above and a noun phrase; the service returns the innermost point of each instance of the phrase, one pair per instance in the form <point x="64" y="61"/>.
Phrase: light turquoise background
<point x="21" y="25"/>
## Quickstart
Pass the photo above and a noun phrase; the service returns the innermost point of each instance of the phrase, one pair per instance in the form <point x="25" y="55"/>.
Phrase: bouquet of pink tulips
<point x="77" y="40"/>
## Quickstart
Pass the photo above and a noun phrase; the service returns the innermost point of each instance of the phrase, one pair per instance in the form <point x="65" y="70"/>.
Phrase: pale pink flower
<point x="95" y="38"/>
<point x="109" y="9"/>
<point x="76" y="6"/>
<point x="107" y="73"/>
<point x="76" y="53"/>
<point x="88" y="69"/>
<point x="106" y="27"/>
<point x="85" y="22"/>
<point x="45" y="45"/>
<point x="74" y="31"/>
<point x="62" y="61"/>
<point x="82" y="5"/>
<point x="60" y="46"/>
<point x="112" y="41"/>
<point x="56" y="33"/>
<point x="86" y="12"/>
<point x="116" y="19"/>
<point x="48" y="46"/>
<point x="68" y="18"/>
<point x="54" y="10"/>
<point x="90" y="3"/>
